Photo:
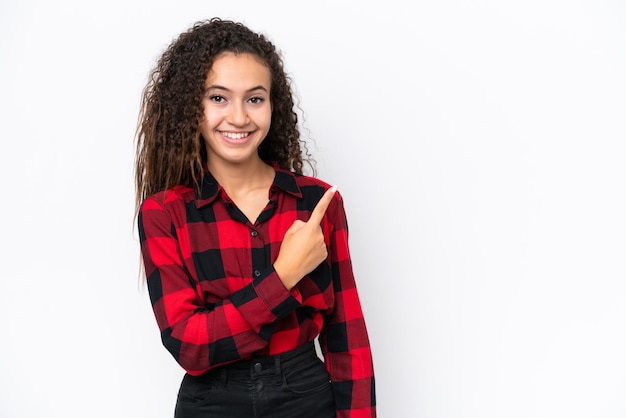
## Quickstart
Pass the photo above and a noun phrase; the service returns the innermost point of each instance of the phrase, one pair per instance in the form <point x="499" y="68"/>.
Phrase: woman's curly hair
<point x="170" y="149"/>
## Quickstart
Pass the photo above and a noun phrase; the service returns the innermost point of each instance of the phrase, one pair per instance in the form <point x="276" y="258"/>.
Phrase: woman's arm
<point x="199" y="336"/>
<point x="344" y="339"/>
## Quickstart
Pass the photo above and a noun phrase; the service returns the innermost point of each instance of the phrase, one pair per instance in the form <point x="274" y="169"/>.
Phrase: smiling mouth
<point x="235" y="135"/>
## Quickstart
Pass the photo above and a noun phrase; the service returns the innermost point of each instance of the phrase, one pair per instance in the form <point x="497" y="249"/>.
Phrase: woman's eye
<point x="217" y="98"/>
<point x="257" y="100"/>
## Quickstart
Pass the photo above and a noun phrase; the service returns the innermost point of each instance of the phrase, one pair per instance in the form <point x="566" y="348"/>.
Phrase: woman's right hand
<point x="303" y="247"/>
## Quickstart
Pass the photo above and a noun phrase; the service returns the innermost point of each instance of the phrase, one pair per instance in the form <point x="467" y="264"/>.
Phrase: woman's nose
<point x="238" y="114"/>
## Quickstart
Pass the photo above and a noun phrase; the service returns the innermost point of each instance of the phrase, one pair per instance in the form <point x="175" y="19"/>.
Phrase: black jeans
<point x="290" y="385"/>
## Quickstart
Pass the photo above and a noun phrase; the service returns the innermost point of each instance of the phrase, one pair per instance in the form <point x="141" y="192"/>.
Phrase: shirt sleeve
<point x="344" y="339"/>
<point x="201" y="336"/>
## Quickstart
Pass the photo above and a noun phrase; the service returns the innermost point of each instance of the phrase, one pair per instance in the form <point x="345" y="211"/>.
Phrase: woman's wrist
<point x="285" y="274"/>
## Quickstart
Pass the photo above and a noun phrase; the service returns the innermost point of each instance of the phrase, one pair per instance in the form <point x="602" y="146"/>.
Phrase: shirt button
<point x="257" y="273"/>
<point x="258" y="367"/>
<point x="254" y="233"/>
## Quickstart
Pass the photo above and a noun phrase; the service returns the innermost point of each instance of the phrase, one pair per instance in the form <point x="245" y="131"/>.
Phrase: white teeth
<point x="235" y="135"/>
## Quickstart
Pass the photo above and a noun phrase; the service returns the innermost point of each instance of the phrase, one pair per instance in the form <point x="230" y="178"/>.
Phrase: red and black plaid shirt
<point x="217" y="298"/>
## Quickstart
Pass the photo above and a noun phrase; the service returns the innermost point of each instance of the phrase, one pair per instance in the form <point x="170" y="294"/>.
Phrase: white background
<point x="480" y="148"/>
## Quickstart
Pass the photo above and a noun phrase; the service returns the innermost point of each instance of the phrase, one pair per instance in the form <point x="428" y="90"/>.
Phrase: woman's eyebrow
<point x="218" y="87"/>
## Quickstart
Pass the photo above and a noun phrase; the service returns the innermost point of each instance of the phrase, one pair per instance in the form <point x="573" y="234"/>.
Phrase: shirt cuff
<point x="266" y="299"/>
<point x="273" y="292"/>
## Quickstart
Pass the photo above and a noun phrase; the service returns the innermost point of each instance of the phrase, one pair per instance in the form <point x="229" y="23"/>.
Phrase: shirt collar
<point x="283" y="179"/>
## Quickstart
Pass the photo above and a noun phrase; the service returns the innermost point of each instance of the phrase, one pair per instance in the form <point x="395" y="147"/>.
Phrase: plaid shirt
<point x="217" y="298"/>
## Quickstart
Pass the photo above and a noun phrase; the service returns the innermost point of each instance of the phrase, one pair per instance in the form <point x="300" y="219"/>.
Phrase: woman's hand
<point x="303" y="247"/>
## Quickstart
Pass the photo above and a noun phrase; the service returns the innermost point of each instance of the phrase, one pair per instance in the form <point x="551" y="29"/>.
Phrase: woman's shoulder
<point x="312" y="189"/>
<point x="175" y="195"/>
<point x="304" y="181"/>
<point x="298" y="182"/>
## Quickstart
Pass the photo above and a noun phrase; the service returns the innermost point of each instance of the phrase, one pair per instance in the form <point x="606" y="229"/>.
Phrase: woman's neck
<point x="239" y="179"/>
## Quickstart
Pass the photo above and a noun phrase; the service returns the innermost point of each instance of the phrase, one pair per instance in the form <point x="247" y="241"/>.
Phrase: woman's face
<point x="237" y="109"/>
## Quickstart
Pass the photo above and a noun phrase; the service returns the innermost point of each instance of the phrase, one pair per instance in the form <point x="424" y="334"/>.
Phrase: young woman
<point x="246" y="259"/>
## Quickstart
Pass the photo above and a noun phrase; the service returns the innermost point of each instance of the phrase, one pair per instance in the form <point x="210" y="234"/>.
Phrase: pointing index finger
<point x="322" y="205"/>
